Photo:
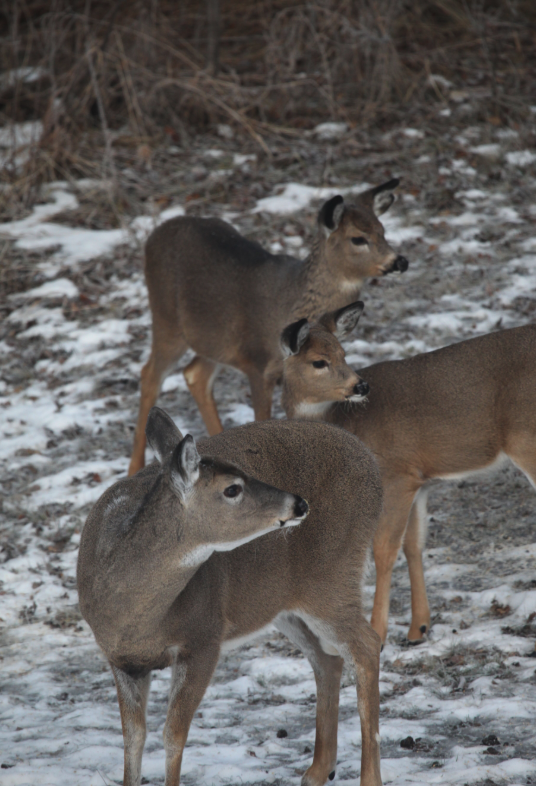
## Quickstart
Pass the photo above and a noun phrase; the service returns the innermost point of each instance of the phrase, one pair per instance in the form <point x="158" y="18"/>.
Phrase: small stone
<point x="282" y="733"/>
<point x="408" y="743"/>
<point x="491" y="739"/>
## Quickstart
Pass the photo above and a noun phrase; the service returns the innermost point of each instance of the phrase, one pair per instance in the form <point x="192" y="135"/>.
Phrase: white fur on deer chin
<point x="307" y="409"/>
<point x="201" y="553"/>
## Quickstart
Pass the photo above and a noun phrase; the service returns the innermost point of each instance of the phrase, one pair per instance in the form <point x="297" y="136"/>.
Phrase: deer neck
<point x="320" y="288"/>
<point x="303" y="410"/>
<point x="139" y="599"/>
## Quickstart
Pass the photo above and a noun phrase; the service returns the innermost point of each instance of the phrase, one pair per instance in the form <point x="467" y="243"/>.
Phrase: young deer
<point x="228" y="298"/>
<point x="443" y="414"/>
<point x="167" y="575"/>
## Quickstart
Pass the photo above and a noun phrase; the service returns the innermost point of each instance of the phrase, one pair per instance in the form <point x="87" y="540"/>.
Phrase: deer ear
<point x="185" y="466"/>
<point x="331" y="213"/>
<point x="382" y="203"/>
<point x="162" y="434"/>
<point x="294" y="336"/>
<point x="381" y="197"/>
<point x="344" y="320"/>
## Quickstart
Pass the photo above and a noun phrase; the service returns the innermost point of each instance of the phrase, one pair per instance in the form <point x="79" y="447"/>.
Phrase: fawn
<point x="228" y="299"/>
<point x="442" y="414"/>
<point x="184" y="559"/>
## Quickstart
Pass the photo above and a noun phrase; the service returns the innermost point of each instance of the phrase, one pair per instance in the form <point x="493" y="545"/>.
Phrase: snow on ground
<point x="72" y="351"/>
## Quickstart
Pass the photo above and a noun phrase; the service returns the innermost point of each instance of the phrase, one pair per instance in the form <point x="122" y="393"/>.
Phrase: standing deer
<point x="183" y="560"/>
<point x="228" y="298"/>
<point x="443" y="414"/>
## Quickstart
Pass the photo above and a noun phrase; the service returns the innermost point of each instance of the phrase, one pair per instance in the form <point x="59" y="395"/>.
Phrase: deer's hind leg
<point x="414" y="540"/>
<point x="200" y="375"/>
<point x="327" y="670"/>
<point x="132" y="694"/>
<point x="164" y="355"/>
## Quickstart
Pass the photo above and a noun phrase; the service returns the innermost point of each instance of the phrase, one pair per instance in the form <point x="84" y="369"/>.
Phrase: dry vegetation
<point x="124" y="76"/>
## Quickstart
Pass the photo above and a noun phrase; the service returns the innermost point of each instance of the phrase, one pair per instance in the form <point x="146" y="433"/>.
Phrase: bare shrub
<point x="107" y="76"/>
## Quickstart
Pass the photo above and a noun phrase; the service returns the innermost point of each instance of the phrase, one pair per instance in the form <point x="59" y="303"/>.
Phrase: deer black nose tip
<point x="362" y="388"/>
<point x="401" y="264"/>
<point x="301" y="508"/>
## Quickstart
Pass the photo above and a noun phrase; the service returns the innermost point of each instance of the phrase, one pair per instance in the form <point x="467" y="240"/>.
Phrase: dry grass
<point x="127" y="74"/>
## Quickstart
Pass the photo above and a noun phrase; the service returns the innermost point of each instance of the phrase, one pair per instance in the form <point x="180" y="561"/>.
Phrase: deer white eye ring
<point x="233" y="491"/>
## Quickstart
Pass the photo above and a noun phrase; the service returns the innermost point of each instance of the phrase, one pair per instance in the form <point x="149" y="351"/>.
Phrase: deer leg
<point x="189" y="682"/>
<point x="524" y="457"/>
<point x="327" y="670"/>
<point x="413" y="545"/>
<point x="132" y="694"/>
<point x="200" y="375"/>
<point x="152" y="375"/>
<point x="387" y="541"/>
<point x="365" y="651"/>
<point x="262" y="390"/>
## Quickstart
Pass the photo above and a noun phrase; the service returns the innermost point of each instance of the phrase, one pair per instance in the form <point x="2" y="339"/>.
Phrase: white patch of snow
<point x="20" y="134"/>
<point x="330" y="131"/>
<point x="60" y="287"/>
<point x="491" y="151"/>
<point x="521" y="158"/>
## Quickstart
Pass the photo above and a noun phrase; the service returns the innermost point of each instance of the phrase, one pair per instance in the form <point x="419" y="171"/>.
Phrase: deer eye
<point x="320" y="363"/>
<point x="232" y="491"/>
<point x="359" y="241"/>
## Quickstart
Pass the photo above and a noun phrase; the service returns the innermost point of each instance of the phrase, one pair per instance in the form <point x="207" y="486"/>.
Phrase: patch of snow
<point x="296" y="196"/>
<point x="225" y="131"/>
<point x="413" y="133"/>
<point x="20" y="134"/>
<point x="439" y="81"/>
<point x="330" y="131"/>
<point x="26" y="74"/>
<point x="60" y="287"/>
<point x="521" y="158"/>
<point x="491" y="151"/>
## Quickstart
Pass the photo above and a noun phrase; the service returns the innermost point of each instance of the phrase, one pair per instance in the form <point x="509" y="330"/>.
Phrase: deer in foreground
<point x="228" y="299"/>
<point x="198" y="551"/>
<point x="442" y="414"/>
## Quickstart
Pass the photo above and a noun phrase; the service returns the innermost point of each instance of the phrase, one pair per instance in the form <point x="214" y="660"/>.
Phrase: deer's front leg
<point x="189" y="682"/>
<point x="132" y="694"/>
<point x="387" y="541"/>
<point x="327" y="670"/>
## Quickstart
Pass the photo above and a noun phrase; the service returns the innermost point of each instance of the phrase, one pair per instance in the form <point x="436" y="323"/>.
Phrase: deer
<point x="202" y="549"/>
<point x="445" y="414"/>
<point x="227" y="298"/>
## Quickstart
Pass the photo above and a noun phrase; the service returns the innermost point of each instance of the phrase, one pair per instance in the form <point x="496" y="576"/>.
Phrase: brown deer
<point x="228" y="299"/>
<point x="443" y="414"/>
<point x="169" y="573"/>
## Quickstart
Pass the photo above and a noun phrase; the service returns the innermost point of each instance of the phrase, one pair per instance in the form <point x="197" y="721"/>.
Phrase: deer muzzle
<point x="361" y="389"/>
<point x="401" y="264"/>
<point x="301" y="508"/>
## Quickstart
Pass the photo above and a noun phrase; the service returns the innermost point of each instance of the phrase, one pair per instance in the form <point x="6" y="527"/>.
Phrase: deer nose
<point x="401" y="264"/>
<point x="362" y="388"/>
<point x="301" y="508"/>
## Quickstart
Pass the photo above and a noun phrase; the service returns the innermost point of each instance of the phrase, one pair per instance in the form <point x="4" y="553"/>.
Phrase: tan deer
<point x="443" y="414"/>
<point x="196" y="552"/>
<point x="228" y="299"/>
